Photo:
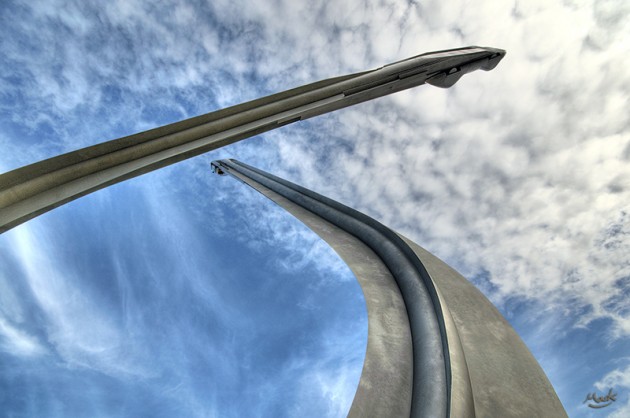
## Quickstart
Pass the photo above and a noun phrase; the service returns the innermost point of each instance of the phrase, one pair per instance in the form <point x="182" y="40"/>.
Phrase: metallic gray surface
<point x="492" y="373"/>
<point x="37" y="188"/>
<point x="431" y="369"/>
<point x="386" y="380"/>
<point x="505" y="378"/>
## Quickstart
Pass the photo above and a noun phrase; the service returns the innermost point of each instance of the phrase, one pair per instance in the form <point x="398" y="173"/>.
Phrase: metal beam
<point x="436" y="346"/>
<point x="37" y="188"/>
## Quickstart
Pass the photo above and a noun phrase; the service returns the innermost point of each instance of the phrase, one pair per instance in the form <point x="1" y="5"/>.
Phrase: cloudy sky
<point x="180" y="293"/>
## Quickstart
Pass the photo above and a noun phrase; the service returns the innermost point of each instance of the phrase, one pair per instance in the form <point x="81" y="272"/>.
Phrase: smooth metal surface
<point x="37" y="188"/>
<point x="505" y="378"/>
<point x="491" y="373"/>
<point x="385" y="387"/>
<point x="430" y="386"/>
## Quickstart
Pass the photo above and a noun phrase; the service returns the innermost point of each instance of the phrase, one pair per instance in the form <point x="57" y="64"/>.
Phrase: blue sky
<point x="180" y="293"/>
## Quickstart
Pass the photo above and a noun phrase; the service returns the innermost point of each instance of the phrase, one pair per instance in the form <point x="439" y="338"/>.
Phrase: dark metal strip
<point x="431" y="362"/>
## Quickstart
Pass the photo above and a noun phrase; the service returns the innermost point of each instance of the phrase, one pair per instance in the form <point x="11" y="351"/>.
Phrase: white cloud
<point x="17" y="342"/>
<point x="324" y="377"/>
<point x="619" y="381"/>
<point x="80" y="332"/>
<point x="618" y="378"/>
<point x="522" y="172"/>
<point x="621" y="411"/>
<point x="513" y="172"/>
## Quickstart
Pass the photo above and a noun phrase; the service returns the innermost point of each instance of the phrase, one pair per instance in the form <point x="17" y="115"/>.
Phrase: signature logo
<point x="600" y="401"/>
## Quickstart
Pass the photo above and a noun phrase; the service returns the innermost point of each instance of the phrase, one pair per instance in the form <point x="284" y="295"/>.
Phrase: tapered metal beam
<point x="37" y="188"/>
<point x="436" y="346"/>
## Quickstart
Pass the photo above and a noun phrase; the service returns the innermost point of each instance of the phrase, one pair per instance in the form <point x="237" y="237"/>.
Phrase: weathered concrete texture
<point x="386" y="380"/>
<point x="32" y="190"/>
<point x="492" y="373"/>
<point x="505" y="378"/>
<point x="461" y="396"/>
<point x="431" y="384"/>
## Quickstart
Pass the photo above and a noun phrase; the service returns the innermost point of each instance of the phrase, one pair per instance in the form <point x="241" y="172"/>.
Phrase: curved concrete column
<point x="505" y="378"/>
<point x="436" y="346"/>
<point x="37" y="188"/>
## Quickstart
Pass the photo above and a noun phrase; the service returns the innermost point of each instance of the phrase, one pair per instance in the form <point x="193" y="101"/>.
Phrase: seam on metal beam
<point x="34" y="189"/>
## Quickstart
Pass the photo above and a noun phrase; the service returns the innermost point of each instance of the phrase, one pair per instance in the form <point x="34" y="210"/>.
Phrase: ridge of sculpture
<point x="29" y="191"/>
<point x="437" y="347"/>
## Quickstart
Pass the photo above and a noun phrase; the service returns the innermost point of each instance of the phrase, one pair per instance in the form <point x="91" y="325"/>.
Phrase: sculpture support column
<point x="464" y="357"/>
<point x="37" y="188"/>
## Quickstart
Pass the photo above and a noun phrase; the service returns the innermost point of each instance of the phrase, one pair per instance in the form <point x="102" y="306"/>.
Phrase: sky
<point x="182" y="293"/>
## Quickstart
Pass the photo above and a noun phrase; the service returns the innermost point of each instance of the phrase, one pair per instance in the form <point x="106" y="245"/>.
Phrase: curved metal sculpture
<point x="37" y="188"/>
<point x="436" y="346"/>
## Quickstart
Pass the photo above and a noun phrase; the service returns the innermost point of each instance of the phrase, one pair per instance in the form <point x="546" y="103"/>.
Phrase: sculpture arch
<point x="436" y="346"/>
